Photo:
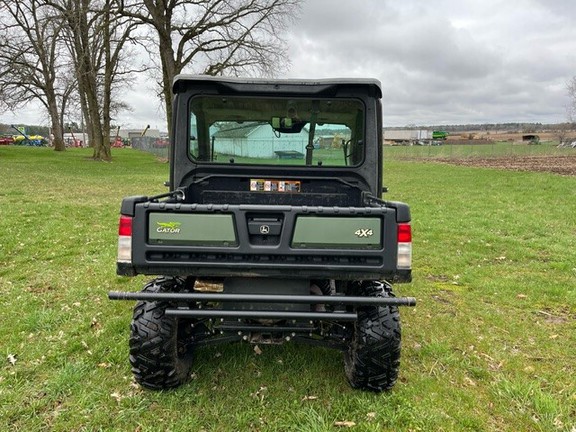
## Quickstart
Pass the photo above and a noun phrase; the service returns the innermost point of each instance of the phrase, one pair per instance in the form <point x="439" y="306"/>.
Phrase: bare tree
<point x="32" y="62"/>
<point x="571" y="109"/>
<point x="97" y="36"/>
<point x="565" y="130"/>
<point x="214" y="36"/>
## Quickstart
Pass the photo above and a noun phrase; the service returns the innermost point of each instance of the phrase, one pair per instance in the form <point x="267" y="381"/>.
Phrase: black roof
<point x="181" y="82"/>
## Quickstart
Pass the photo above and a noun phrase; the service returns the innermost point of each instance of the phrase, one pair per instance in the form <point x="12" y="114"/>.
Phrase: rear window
<point x="276" y="131"/>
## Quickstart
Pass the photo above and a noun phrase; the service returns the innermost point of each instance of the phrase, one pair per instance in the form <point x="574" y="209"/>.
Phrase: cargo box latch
<point x="264" y="226"/>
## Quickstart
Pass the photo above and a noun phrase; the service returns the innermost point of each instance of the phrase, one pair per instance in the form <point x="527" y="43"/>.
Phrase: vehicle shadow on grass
<point x="287" y="366"/>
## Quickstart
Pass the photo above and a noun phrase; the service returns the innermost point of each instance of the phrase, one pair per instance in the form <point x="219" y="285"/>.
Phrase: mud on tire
<point x="160" y="351"/>
<point x="373" y="357"/>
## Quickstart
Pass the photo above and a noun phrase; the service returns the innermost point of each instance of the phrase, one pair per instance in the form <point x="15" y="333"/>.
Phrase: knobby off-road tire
<point x="373" y="357"/>
<point x="160" y="351"/>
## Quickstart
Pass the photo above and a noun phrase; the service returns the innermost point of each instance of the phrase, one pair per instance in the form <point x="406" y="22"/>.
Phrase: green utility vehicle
<point x="274" y="229"/>
<point x="439" y="135"/>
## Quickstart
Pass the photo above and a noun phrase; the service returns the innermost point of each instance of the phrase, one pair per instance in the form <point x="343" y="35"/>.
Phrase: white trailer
<point x="408" y="136"/>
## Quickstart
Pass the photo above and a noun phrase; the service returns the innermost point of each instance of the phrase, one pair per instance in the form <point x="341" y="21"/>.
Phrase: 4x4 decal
<point x="364" y="232"/>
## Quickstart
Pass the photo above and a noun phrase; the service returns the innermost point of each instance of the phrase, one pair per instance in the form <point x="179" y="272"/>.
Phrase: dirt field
<point x="505" y="136"/>
<point x="564" y="165"/>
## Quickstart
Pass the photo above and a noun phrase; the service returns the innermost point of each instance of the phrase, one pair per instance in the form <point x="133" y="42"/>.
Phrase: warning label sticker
<point x="267" y="185"/>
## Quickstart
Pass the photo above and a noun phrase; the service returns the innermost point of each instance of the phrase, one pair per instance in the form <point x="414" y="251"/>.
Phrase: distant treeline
<point x="501" y="127"/>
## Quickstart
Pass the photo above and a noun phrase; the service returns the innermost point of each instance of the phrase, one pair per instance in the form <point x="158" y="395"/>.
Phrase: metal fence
<point x="486" y="150"/>
<point x="157" y="146"/>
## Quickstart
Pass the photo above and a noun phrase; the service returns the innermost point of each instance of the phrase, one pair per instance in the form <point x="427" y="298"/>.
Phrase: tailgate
<point x="251" y="240"/>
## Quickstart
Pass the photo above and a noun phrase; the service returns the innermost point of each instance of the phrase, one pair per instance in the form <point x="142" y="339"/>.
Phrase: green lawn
<point x="491" y="345"/>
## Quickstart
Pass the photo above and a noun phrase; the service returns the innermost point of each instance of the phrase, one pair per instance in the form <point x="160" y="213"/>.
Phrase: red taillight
<point x="404" y="260"/>
<point x="125" y="239"/>
<point x="125" y="226"/>
<point x="404" y="233"/>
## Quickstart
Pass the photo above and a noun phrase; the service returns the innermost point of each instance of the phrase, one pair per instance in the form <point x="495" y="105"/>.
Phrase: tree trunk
<point x="169" y="70"/>
<point x="167" y="94"/>
<point x="58" y="133"/>
<point x="102" y="152"/>
<point x="105" y="152"/>
<point x="55" y="119"/>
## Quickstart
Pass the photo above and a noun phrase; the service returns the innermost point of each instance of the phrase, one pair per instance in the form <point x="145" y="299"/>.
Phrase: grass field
<point x="490" y="346"/>
<point x="494" y="149"/>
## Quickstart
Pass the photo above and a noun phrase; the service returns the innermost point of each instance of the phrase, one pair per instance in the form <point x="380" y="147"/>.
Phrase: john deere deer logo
<point x="264" y="229"/>
<point x="168" y="227"/>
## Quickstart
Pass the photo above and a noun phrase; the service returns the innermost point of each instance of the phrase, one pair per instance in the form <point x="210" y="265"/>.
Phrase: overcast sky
<point x="440" y="62"/>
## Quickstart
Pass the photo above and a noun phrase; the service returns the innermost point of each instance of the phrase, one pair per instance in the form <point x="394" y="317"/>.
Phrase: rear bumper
<point x="261" y="299"/>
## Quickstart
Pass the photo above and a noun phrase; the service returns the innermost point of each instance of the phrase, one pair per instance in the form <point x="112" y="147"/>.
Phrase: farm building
<point x="258" y="140"/>
<point x="128" y="134"/>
